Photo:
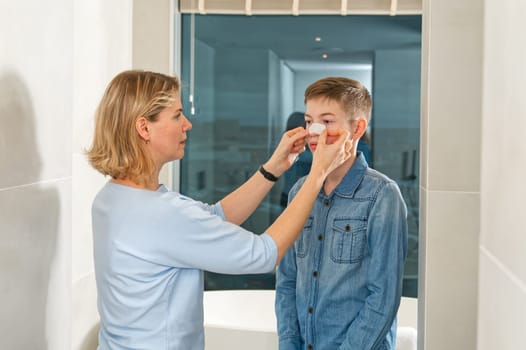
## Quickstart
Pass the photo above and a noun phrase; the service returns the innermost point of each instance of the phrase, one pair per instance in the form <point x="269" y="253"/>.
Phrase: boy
<point x="339" y="286"/>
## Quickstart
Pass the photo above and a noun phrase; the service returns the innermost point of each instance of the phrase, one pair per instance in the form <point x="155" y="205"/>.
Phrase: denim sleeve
<point x="287" y="316"/>
<point x="387" y="244"/>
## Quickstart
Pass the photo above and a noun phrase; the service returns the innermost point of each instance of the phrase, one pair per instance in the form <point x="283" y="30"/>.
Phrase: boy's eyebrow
<point x="322" y="115"/>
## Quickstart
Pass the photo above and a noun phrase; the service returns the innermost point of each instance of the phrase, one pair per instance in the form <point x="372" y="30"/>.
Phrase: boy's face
<point x="327" y="112"/>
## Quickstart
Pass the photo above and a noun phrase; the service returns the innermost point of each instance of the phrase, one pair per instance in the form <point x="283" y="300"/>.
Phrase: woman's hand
<point x="292" y="143"/>
<point x="332" y="150"/>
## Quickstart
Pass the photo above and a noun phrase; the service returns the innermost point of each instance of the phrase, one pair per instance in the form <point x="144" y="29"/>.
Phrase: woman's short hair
<point x="353" y="97"/>
<point x="117" y="149"/>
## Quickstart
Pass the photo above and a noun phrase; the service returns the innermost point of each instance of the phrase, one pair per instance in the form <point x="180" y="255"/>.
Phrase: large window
<point x="246" y="75"/>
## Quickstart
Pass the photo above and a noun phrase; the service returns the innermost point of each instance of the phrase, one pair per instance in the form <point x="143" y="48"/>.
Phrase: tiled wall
<point x="502" y="290"/>
<point x="102" y="48"/>
<point x="450" y="173"/>
<point x="36" y="89"/>
<point x="56" y="59"/>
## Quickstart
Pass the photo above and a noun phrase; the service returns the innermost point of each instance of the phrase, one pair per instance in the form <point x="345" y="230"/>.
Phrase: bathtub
<point x="245" y="319"/>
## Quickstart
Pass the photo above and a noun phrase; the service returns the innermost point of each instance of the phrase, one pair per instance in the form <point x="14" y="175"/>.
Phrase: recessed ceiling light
<point x="324" y="56"/>
<point x="317" y="39"/>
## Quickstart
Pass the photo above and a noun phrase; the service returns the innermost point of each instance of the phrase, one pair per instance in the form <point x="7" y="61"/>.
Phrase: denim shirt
<point x="340" y="285"/>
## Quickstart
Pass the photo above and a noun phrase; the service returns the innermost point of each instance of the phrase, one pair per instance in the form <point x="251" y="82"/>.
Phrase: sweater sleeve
<point x="177" y="231"/>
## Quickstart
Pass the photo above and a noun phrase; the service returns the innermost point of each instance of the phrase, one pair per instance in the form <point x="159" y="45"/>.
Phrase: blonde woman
<point x="152" y="244"/>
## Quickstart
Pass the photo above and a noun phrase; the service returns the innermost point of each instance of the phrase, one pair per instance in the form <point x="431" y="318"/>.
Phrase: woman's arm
<point x="240" y="204"/>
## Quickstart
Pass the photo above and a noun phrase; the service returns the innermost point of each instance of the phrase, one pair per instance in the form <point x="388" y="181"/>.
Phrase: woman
<point x="151" y="244"/>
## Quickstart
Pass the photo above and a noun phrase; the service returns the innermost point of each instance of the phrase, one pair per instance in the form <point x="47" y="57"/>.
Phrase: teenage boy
<point x="339" y="286"/>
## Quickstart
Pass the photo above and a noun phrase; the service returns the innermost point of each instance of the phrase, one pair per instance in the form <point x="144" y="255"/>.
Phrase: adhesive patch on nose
<point x="316" y="128"/>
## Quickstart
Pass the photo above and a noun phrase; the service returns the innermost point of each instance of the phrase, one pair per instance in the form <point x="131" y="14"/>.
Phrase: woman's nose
<point x="188" y="124"/>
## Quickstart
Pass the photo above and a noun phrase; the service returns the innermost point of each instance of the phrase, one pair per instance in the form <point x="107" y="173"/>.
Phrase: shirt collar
<point x="353" y="178"/>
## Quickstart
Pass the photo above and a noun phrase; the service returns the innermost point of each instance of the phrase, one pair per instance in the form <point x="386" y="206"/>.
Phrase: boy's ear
<point x="358" y="128"/>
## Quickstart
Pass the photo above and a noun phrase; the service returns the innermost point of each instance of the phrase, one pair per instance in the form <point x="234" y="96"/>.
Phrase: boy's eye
<point x="327" y="121"/>
<point x="308" y="122"/>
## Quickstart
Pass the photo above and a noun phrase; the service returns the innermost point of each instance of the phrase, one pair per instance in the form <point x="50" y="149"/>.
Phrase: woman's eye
<point x="308" y="122"/>
<point x="327" y="121"/>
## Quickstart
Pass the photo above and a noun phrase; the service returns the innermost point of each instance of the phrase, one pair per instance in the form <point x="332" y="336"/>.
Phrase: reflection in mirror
<point x="248" y="74"/>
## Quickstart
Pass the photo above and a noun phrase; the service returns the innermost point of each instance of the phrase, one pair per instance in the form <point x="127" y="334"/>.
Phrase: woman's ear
<point x="358" y="128"/>
<point x="141" y="125"/>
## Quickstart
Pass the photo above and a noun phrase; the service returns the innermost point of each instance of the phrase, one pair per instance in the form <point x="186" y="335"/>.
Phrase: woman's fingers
<point x="297" y="137"/>
<point x="292" y="142"/>
<point x="299" y="131"/>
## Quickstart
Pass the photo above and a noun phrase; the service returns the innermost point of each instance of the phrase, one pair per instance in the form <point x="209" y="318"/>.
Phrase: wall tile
<point x="501" y="323"/>
<point x="35" y="103"/>
<point x="35" y="241"/>
<point x="454" y="79"/>
<point x="504" y="151"/>
<point x="35" y="134"/>
<point x="102" y="48"/>
<point x="451" y="263"/>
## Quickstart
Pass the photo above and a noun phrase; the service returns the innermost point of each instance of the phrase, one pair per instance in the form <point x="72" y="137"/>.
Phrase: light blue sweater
<point x="150" y="248"/>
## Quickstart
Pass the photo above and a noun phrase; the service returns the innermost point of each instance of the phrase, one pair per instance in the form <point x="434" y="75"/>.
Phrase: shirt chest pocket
<point x="348" y="240"/>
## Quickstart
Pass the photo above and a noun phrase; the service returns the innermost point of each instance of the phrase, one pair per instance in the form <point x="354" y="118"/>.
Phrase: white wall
<point x="36" y="90"/>
<point x="450" y="124"/>
<point x="56" y="59"/>
<point x="502" y="286"/>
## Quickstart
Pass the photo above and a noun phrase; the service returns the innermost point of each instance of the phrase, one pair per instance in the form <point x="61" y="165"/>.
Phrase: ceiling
<point x="344" y="39"/>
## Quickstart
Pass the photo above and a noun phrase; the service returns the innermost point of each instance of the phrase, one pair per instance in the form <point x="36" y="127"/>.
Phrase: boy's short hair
<point x="354" y="98"/>
<point x="117" y="149"/>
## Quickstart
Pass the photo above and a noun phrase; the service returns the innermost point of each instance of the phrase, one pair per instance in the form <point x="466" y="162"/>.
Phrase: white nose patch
<point x="316" y="128"/>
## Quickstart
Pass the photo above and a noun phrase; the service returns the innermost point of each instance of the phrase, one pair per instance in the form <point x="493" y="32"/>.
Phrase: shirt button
<point x="310" y="310"/>
<point x="310" y="347"/>
<point x="315" y="273"/>
<point x="320" y="237"/>
<point x="327" y="202"/>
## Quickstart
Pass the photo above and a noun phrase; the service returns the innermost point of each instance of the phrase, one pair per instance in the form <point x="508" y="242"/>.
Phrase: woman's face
<point x="168" y="133"/>
<point x="327" y="112"/>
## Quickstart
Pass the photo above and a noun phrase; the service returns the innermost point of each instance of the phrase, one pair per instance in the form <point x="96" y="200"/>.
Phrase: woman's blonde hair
<point x="117" y="149"/>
